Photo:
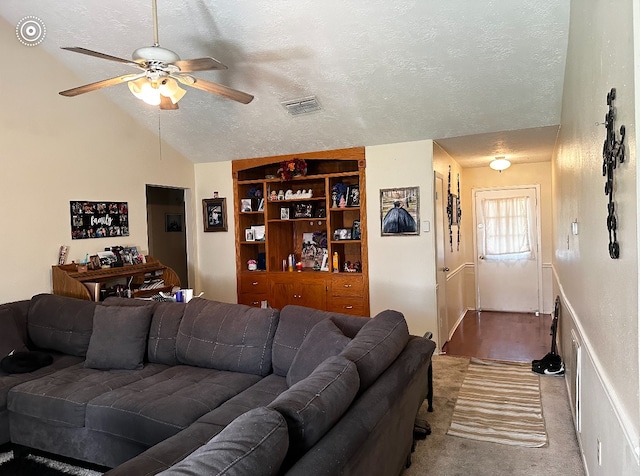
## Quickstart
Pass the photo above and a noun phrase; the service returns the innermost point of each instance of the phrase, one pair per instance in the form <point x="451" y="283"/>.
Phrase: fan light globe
<point x="169" y="88"/>
<point x="500" y="164"/>
<point x="142" y="89"/>
<point x="155" y="53"/>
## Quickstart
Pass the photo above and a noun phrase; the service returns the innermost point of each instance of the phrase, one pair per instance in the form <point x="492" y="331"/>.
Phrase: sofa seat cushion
<point x="61" y="323"/>
<point x="255" y="443"/>
<point x="226" y="336"/>
<point x="313" y="405"/>
<point x="323" y="341"/>
<point x="377" y="345"/>
<point x="168" y="452"/>
<point x="62" y="397"/>
<point x="153" y="409"/>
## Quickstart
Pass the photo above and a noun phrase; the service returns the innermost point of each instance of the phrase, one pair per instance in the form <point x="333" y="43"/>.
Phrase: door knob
<point x="445" y="269"/>
<point x="481" y="257"/>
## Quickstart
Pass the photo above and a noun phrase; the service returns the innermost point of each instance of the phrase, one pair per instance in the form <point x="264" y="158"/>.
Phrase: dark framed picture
<point x="321" y="211"/>
<point x="303" y="210"/>
<point x="245" y="205"/>
<point x="284" y="213"/>
<point x="214" y="214"/>
<point x="94" y="262"/>
<point x="173" y="222"/>
<point x="353" y="196"/>
<point x="400" y="211"/>
<point x="355" y="230"/>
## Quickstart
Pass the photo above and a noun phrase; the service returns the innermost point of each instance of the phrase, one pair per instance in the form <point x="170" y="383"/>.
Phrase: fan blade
<point x="100" y="84"/>
<point x="214" y="88"/>
<point x="199" y="64"/>
<point x="97" y="54"/>
<point x="166" y="103"/>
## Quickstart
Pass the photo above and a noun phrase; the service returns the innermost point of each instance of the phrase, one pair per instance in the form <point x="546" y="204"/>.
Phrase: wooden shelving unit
<point x="338" y="291"/>
<point x="68" y="281"/>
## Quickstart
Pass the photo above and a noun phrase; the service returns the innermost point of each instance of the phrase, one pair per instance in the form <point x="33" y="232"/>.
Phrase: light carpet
<point x="499" y="402"/>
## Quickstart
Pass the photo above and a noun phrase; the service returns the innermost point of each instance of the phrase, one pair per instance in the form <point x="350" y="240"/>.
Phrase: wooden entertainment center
<point x="283" y="218"/>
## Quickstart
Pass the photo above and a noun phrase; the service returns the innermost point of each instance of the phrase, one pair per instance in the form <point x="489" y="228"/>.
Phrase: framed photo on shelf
<point x="94" y="262"/>
<point x="214" y="211"/>
<point x="303" y="210"/>
<point x="258" y="232"/>
<point x="261" y="204"/>
<point x="353" y="196"/>
<point x="342" y="234"/>
<point x="284" y="213"/>
<point x="355" y="230"/>
<point x="249" y="235"/>
<point x="245" y="205"/>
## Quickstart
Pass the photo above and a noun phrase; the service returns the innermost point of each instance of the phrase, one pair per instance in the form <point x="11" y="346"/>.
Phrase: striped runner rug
<point x="500" y="402"/>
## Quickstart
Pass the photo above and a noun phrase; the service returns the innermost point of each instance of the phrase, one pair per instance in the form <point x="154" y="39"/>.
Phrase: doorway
<point x="441" y="267"/>
<point x="166" y="227"/>
<point x="507" y="244"/>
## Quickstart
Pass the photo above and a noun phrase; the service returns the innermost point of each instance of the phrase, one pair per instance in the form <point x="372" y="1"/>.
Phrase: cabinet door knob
<point x="348" y="307"/>
<point x="254" y="303"/>
<point x="347" y="285"/>
<point x="255" y="283"/>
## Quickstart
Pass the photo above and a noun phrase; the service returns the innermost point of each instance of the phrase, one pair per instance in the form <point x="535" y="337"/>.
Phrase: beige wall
<point x="57" y="149"/>
<point x="402" y="268"/>
<point x="600" y="295"/>
<point x="522" y="174"/>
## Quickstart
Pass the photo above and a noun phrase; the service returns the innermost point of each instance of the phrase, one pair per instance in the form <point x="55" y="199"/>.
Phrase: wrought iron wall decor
<point x="454" y="212"/>
<point x="613" y="152"/>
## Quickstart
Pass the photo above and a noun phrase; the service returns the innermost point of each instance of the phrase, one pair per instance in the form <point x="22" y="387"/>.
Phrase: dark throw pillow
<point x="323" y="341"/>
<point x="24" y="362"/>
<point x="119" y="338"/>
<point x="10" y="339"/>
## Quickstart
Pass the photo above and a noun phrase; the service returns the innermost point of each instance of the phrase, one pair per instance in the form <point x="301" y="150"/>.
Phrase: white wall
<point x="600" y="294"/>
<point x="57" y="149"/>
<point x="402" y="268"/>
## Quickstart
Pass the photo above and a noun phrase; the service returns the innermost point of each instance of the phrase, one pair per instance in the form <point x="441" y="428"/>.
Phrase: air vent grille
<point x="297" y="107"/>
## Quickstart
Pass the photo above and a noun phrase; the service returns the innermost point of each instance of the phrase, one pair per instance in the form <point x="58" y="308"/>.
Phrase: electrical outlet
<point x="599" y="452"/>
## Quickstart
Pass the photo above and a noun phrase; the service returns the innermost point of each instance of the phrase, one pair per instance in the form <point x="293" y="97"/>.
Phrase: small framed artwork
<point x="94" y="262"/>
<point x="321" y="211"/>
<point x="249" y="235"/>
<point x="261" y="204"/>
<point x="173" y="222"/>
<point x="258" y="232"/>
<point x="303" y="210"/>
<point x="342" y="234"/>
<point x="355" y="230"/>
<point x="454" y="207"/>
<point x="245" y="205"/>
<point x="353" y="196"/>
<point x="214" y="211"/>
<point x="284" y="213"/>
<point x="400" y="211"/>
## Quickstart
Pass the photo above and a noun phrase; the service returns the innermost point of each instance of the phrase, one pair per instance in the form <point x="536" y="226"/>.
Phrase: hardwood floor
<point x="501" y="336"/>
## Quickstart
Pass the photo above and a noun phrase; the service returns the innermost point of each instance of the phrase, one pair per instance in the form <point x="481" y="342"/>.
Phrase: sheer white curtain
<point x="507" y="228"/>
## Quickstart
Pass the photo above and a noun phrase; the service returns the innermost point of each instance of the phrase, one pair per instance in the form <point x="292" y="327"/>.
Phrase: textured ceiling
<point x="383" y="71"/>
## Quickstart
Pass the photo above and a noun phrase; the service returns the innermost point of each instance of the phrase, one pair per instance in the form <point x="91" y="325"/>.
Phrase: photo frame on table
<point x="214" y="214"/>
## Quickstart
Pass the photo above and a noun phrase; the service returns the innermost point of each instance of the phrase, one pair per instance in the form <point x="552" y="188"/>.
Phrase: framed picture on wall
<point x="173" y="222"/>
<point x="214" y="214"/>
<point x="400" y="211"/>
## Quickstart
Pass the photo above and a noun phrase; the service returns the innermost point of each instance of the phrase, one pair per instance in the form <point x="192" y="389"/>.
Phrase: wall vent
<point x="297" y="107"/>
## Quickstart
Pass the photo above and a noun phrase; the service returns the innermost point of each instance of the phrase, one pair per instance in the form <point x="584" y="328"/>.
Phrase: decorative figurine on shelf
<point x="273" y="195"/>
<point x="288" y="194"/>
<point x="252" y="265"/>
<point x="316" y="266"/>
<point x="334" y="199"/>
<point x="343" y="202"/>
<point x="280" y="194"/>
<point x="340" y="191"/>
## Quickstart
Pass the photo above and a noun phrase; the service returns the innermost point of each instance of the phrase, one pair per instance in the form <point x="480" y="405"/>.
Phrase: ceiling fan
<point x="162" y="70"/>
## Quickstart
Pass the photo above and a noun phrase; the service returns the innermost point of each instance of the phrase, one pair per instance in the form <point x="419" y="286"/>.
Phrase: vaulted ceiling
<point x="462" y="72"/>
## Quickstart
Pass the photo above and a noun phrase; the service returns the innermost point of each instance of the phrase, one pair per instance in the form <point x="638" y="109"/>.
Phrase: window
<point x="507" y="228"/>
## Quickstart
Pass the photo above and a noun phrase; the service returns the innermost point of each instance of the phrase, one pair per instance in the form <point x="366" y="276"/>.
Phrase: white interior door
<point x="441" y="269"/>
<point x="507" y="237"/>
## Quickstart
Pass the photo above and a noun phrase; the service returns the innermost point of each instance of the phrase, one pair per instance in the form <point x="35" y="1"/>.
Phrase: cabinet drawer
<point x="347" y="305"/>
<point x="347" y="286"/>
<point x="254" y="300"/>
<point x="254" y="283"/>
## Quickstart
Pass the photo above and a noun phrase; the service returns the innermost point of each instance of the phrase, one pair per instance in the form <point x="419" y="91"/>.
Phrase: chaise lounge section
<point x="215" y="387"/>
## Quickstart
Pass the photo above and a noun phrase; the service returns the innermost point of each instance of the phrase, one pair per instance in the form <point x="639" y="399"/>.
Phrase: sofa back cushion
<point x="10" y="336"/>
<point x="61" y="323"/>
<point x="323" y="341"/>
<point x="295" y="324"/>
<point x="255" y="444"/>
<point x="226" y="336"/>
<point x="377" y="345"/>
<point x="313" y="405"/>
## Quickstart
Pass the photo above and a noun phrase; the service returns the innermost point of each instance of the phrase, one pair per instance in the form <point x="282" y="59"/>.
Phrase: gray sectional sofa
<point x="213" y="388"/>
